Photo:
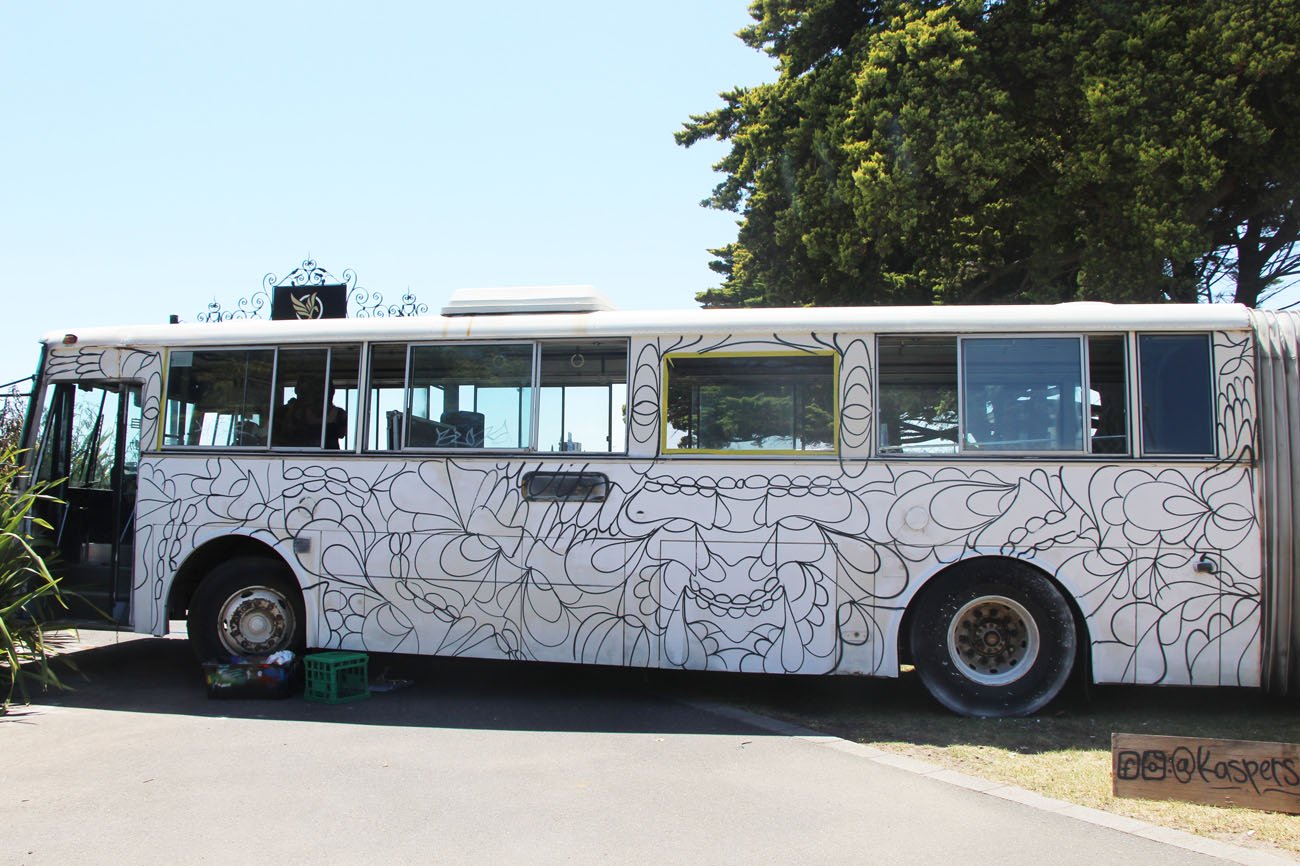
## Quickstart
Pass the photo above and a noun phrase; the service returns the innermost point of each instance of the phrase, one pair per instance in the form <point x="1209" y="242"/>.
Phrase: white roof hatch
<point x="526" y="299"/>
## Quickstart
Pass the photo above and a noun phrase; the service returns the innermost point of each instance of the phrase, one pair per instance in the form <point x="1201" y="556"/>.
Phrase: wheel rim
<point x="256" y="620"/>
<point x="993" y="640"/>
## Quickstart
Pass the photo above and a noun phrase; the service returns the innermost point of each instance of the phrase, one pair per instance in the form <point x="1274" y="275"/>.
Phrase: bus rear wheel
<point x="992" y="638"/>
<point x="249" y="606"/>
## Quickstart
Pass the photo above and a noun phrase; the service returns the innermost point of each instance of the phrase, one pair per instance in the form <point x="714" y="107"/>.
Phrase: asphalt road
<point x="478" y="762"/>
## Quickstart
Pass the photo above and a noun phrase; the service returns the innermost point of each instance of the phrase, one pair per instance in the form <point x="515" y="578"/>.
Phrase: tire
<point x="249" y="606"/>
<point x="992" y="637"/>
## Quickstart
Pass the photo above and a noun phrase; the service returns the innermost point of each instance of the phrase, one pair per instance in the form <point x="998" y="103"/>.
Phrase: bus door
<point x="90" y="445"/>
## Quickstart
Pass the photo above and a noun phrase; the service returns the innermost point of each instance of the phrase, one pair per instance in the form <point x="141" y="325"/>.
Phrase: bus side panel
<point x="794" y="575"/>
<point x="1241" y="564"/>
<point x="789" y="564"/>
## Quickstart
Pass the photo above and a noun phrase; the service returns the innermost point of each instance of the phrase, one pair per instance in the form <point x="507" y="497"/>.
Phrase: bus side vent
<point x="566" y="486"/>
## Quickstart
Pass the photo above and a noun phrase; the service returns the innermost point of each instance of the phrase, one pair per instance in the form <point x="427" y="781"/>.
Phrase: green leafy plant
<point x="13" y="409"/>
<point x="29" y="593"/>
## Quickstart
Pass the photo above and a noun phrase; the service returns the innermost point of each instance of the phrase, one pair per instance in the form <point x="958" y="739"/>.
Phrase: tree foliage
<point x="1024" y="150"/>
<point x="13" y="408"/>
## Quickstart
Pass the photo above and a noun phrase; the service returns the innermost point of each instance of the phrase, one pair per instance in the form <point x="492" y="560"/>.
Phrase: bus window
<point x="918" y="395"/>
<point x="344" y="364"/>
<point x="1022" y="393"/>
<point x="300" y="398"/>
<point x="1177" y="394"/>
<point x="219" y="397"/>
<point x="750" y="403"/>
<point x="1107" y="395"/>
<point x="386" y="404"/>
<point x="583" y="397"/>
<point x="478" y="396"/>
<point x="307" y="414"/>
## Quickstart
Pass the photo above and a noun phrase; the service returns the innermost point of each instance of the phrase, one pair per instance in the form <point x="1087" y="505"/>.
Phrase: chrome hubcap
<point x="256" y="621"/>
<point x="993" y="640"/>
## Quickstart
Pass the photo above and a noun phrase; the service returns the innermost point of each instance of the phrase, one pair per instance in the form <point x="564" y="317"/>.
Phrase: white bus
<point x="996" y="495"/>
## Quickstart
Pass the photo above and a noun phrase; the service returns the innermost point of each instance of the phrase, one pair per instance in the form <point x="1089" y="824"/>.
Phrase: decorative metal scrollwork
<point x="370" y="305"/>
<point x="309" y="274"/>
<point x="247" y="308"/>
<point x="364" y="303"/>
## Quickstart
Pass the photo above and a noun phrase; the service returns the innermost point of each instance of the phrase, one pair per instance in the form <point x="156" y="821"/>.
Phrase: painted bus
<point x="998" y="496"/>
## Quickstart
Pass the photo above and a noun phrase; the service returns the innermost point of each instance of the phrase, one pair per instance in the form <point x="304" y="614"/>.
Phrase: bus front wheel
<point x="992" y="638"/>
<point x="248" y="607"/>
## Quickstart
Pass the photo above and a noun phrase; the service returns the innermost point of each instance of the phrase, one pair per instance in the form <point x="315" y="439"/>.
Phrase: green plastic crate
<point x="337" y="677"/>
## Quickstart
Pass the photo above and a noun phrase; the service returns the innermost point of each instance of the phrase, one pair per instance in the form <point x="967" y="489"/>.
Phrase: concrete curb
<point x="1131" y="826"/>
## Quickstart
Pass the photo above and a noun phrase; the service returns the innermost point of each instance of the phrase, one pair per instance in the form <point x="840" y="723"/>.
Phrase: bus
<point x="998" y="496"/>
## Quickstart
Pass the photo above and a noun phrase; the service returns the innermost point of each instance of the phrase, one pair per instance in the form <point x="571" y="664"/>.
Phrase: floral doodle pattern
<point x="166" y="529"/>
<point x="779" y="566"/>
<point x="132" y="365"/>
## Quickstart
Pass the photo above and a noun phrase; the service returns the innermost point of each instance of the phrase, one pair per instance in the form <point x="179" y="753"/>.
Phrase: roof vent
<point x="528" y="299"/>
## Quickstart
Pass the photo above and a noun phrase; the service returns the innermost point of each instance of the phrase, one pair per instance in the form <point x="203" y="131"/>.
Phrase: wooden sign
<point x="1241" y="773"/>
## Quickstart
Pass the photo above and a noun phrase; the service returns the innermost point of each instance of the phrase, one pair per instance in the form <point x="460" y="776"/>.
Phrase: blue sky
<point x="157" y="156"/>
<point x="161" y="155"/>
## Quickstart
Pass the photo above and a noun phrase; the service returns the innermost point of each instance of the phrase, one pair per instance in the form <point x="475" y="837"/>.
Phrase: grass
<point x="1063" y="753"/>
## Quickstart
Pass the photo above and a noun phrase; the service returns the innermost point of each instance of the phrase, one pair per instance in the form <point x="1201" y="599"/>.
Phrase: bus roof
<point x="1071" y="317"/>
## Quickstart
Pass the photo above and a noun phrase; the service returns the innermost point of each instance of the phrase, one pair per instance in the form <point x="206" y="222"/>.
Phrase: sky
<point x="158" y="156"/>
<point x="155" y="157"/>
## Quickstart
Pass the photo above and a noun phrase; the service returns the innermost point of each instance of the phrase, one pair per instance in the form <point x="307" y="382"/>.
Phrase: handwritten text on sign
<point x="1219" y="772"/>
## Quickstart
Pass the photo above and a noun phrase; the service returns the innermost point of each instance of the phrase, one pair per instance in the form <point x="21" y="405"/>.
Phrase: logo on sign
<point x="307" y="306"/>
